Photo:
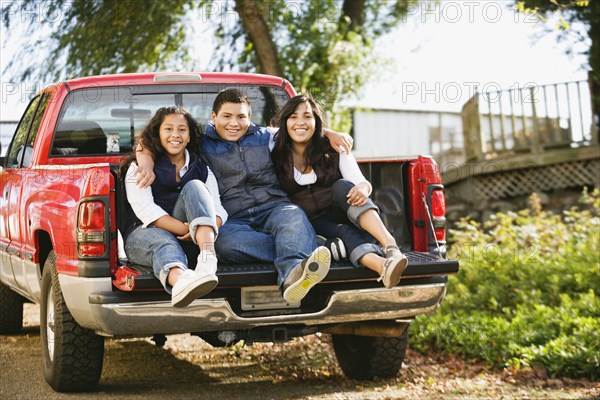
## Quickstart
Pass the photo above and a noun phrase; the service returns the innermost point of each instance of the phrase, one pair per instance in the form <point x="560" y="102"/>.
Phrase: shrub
<point x="527" y="293"/>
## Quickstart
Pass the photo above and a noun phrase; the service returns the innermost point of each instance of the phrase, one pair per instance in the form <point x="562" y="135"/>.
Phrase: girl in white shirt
<point x="332" y="190"/>
<point x="180" y="206"/>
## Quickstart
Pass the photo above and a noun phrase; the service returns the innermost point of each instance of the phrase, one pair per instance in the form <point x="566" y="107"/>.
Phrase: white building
<point x="389" y="133"/>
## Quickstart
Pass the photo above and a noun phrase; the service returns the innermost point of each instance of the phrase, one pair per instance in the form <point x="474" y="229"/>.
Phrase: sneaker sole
<point x="206" y="285"/>
<point x="397" y="271"/>
<point x="316" y="267"/>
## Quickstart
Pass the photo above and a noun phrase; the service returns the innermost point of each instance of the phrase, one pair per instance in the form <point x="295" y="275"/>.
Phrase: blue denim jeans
<point x="341" y="220"/>
<point x="277" y="232"/>
<point x="157" y="248"/>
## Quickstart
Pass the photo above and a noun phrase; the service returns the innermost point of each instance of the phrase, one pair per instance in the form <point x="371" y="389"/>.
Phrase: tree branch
<point x="259" y="35"/>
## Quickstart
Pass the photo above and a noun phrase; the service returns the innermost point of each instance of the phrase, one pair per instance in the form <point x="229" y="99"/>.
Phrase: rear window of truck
<point x="105" y="120"/>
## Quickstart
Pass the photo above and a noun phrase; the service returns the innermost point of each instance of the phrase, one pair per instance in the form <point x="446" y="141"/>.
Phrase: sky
<point x="445" y="50"/>
<point x="433" y="61"/>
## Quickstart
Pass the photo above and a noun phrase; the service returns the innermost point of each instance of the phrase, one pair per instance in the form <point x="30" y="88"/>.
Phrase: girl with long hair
<point x="332" y="191"/>
<point x="181" y="206"/>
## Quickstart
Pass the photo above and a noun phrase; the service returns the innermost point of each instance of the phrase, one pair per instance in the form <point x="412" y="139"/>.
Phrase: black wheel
<point x="71" y="355"/>
<point x="11" y="311"/>
<point x="365" y="357"/>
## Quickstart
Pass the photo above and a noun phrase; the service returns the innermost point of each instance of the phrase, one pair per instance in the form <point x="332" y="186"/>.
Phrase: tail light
<point x="438" y="214"/>
<point x="91" y="229"/>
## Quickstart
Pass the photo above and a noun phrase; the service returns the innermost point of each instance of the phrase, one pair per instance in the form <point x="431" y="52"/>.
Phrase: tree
<point x="569" y="13"/>
<point x="321" y="46"/>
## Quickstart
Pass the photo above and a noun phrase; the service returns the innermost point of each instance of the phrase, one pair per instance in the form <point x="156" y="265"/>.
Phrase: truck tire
<point x="71" y="355"/>
<point x="11" y="311"/>
<point x="365" y="357"/>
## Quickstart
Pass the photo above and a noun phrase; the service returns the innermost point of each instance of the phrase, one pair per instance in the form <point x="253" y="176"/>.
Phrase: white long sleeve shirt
<point x="142" y="201"/>
<point x="348" y="168"/>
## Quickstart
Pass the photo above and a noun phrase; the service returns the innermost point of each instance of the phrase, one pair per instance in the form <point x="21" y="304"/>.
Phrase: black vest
<point x="316" y="198"/>
<point x="165" y="188"/>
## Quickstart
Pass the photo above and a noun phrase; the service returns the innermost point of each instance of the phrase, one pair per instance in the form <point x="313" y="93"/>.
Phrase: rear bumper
<point x="216" y="314"/>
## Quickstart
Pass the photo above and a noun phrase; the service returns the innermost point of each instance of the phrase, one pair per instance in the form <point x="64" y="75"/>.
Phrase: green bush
<point x="527" y="293"/>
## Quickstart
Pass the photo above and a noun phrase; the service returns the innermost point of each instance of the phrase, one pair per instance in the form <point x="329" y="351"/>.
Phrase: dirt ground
<point x="189" y="368"/>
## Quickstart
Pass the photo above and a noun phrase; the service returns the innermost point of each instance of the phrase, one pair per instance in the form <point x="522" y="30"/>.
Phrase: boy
<point x="263" y="223"/>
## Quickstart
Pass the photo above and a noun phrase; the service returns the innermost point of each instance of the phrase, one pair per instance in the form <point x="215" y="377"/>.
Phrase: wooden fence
<point x="534" y="139"/>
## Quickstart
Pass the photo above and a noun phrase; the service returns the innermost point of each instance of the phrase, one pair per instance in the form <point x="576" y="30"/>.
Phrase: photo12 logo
<point x="460" y="92"/>
<point x="231" y="12"/>
<point x="35" y="11"/>
<point x="21" y="92"/>
<point x="467" y="11"/>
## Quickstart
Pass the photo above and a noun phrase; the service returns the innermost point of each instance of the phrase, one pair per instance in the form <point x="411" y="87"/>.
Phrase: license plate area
<point x="264" y="298"/>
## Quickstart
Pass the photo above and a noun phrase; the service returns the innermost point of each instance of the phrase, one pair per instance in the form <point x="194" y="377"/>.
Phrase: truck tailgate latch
<point x="125" y="278"/>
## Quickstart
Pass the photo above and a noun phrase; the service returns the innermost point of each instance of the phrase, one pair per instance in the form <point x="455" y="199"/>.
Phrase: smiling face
<point x="232" y="121"/>
<point x="174" y="134"/>
<point x="301" y="123"/>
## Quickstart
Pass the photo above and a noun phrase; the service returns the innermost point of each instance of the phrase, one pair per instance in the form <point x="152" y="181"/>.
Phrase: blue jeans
<point x="157" y="248"/>
<point x="277" y="232"/>
<point x="341" y="220"/>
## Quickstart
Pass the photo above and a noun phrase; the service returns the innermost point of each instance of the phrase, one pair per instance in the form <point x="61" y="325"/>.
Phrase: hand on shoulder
<point x="341" y="142"/>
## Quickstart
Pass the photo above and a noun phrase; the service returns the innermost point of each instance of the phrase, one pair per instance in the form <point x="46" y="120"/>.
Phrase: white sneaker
<point x="307" y="274"/>
<point x="394" y="266"/>
<point x="337" y="249"/>
<point x="335" y="246"/>
<point x="207" y="263"/>
<point x="190" y="286"/>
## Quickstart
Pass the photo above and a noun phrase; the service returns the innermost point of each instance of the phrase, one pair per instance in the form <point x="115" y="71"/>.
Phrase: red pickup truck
<point x="62" y="205"/>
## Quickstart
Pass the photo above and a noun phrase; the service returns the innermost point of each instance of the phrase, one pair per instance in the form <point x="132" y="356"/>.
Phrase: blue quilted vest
<point x="243" y="169"/>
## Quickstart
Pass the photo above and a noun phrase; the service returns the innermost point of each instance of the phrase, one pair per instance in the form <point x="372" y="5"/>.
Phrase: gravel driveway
<point x="188" y="368"/>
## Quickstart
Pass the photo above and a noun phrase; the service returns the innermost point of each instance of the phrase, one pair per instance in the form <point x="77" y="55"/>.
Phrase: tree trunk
<point x="260" y="36"/>
<point x="354" y="10"/>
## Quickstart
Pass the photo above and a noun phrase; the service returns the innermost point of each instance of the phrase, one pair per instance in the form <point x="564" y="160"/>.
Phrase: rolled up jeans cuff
<point x="356" y="211"/>
<point x="202" y="221"/>
<point x="363" y="249"/>
<point x="164" y="273"/>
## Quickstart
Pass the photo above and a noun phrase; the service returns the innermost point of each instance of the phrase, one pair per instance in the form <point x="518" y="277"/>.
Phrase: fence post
<point x="472" y="129"/>
<point x="594" y="101"/>
<point x="536" y="145"/>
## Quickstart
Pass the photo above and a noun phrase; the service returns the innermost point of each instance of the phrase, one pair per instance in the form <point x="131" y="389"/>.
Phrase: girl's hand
<point x="358" y="195"/>
<point x="187" y="237"/>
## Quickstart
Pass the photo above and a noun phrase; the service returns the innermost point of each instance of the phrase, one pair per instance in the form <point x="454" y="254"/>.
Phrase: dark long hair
<point x="149" y="137"/>
<point x="317" y="147"/>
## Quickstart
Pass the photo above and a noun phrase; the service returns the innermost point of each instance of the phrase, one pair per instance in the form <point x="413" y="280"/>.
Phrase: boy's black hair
<point x="230" y="96"/>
